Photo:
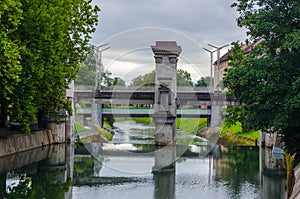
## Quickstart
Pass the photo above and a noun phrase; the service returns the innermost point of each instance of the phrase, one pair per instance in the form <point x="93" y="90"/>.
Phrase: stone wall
<point x="19" y="142"/>
<point x="296" y="189"/>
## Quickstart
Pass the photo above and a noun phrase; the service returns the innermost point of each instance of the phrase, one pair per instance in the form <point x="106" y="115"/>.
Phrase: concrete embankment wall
<point x="16" y="143"/>
<point x="296" y="189"/>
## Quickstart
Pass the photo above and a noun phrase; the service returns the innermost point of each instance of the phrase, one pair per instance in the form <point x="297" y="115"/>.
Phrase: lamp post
<point x="99" y="63"/>
<point x="211" y="64"/>
<point x="218" y="49"/>
<point x="97" y="108"/>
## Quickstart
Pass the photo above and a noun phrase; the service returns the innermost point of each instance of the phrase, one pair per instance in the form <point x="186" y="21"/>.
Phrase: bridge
<point x="145" y="112"/>
<point x="165" y="97"/>
<point x="146" y="95"/>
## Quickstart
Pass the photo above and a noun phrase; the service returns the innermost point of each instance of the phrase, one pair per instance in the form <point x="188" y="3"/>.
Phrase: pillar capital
<point x="166" y="48"/>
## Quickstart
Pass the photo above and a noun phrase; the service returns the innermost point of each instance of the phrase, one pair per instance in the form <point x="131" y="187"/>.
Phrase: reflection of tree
<point x="238" y="165"/>
<point x="83" y="166"/>
<point x="43" y="185"/>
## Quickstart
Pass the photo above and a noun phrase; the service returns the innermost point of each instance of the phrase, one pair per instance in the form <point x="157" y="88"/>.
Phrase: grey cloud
<point x="192" y="23"/>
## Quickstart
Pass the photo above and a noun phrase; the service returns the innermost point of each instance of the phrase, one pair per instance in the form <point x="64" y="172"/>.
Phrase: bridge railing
<point x="138" y="88"/>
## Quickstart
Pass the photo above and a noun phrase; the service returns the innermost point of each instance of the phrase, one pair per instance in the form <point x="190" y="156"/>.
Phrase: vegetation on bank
<point x="42" y="44"/>
<point x="235" y="135"/>
<point x="191" y="125"/>
<point x="78" y="128"/>
<point x="267" y="79"/>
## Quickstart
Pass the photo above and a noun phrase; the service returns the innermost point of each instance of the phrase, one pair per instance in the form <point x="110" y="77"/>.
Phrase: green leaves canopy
<point x="51" y="38"/>
<point x="267" y="80"/>
<point x="183" y="79"/>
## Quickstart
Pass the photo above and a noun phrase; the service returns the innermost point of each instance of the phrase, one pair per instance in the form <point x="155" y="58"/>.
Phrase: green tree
<point x="203" y="82"/>
<point x="86" y="74"/>
<point x="52" y="37"/>
<point x="267" y="80"/>
<point x="10" y="70"/>
<point x="183" y="79"/>
<point x="144" y="80"/>
<point x="117" y="81"/>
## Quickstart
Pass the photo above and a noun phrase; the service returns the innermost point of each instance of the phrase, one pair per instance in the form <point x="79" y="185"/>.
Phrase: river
<point x="130" y="166"/>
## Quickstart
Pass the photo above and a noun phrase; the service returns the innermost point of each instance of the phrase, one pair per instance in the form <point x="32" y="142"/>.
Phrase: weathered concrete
<point x="296" y="189"/>
<point x="19" y="142"/>
<point x="16" y="143"/>
<point x="165" y="54"/>
<point x="58" y="132"/>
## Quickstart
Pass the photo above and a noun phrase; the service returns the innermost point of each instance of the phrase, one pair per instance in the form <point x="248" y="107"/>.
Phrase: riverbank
<point x="13" y="142"/>
<point x="95" y="133"/>
<point x="296" y="190"/>
<point x="230" y="138"/>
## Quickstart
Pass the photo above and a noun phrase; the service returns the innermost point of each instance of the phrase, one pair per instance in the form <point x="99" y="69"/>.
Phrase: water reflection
<point x="129" y="170"/>
<point x="164" y="172"/>
<point x="40" y="173"/>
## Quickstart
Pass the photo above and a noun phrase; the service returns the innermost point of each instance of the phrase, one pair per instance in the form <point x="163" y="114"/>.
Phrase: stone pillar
<point x="217" y="100"/>
<point x="165" y="54"/>
<point x="216" y="117"/>
<point x="70" y="119"/>
<point x="97" y="113"/>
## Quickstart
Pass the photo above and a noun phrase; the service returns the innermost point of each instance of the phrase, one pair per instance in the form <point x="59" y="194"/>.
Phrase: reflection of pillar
<point x="216" y="155"/>
<point x="272" y="175"/>
<point x="165" y="54"/>
<point x="57" y="161"/>
<point x="164" y="172"/>
<point x="70" y="167"/>
<point x="274" y="184"/>
<point x="2" y="185"/>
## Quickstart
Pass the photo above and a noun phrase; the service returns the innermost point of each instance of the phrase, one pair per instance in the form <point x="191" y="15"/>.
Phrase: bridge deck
<point x="196" y="97"/>
<point x="120" y="112"/>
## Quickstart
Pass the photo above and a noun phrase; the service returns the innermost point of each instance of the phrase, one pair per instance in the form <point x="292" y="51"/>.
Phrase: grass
<point x="236" y="136"/>
<point x="142" y="119"/>
<point x="78" y="127"/>
<point x="147" y="120"/>
<point x="191" y="125"/>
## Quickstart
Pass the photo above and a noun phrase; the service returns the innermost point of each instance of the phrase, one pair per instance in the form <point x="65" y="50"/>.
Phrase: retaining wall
<point x="296" y="189"/>
<point x="19" y="142"/>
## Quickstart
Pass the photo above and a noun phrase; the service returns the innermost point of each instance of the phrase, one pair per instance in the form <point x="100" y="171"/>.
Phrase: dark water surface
<point x="132" y="167"/>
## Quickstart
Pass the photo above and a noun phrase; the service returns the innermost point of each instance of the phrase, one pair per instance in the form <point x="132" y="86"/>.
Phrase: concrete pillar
<point x="216" y="116"/>
<point x="165" y="54"/>
<point x="97" y="114"/>
<point x="70" y="119"/>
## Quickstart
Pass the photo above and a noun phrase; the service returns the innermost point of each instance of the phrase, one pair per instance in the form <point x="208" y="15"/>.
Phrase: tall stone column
<point x="165" y="54"/>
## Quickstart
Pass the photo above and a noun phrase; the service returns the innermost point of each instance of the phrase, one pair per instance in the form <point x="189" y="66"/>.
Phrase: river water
<point x="130" y="166"/>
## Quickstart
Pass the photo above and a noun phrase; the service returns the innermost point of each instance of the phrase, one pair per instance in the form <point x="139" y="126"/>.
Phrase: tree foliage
<point x="183" y="79"/>
<point x="47" y="40"/>
<point x="267" y="80"/>
<point x="87" y="73"/>
<point x="203" y="82"/>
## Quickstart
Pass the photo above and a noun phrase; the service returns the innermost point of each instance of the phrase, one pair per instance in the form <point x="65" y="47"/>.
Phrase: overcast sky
<point x="132" y="26"/>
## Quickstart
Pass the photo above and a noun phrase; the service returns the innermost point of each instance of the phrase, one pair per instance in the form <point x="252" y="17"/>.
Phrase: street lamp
<point x="218" y="49"/>
<point x="211" y="64"/>
<point x="99" y="62"/>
